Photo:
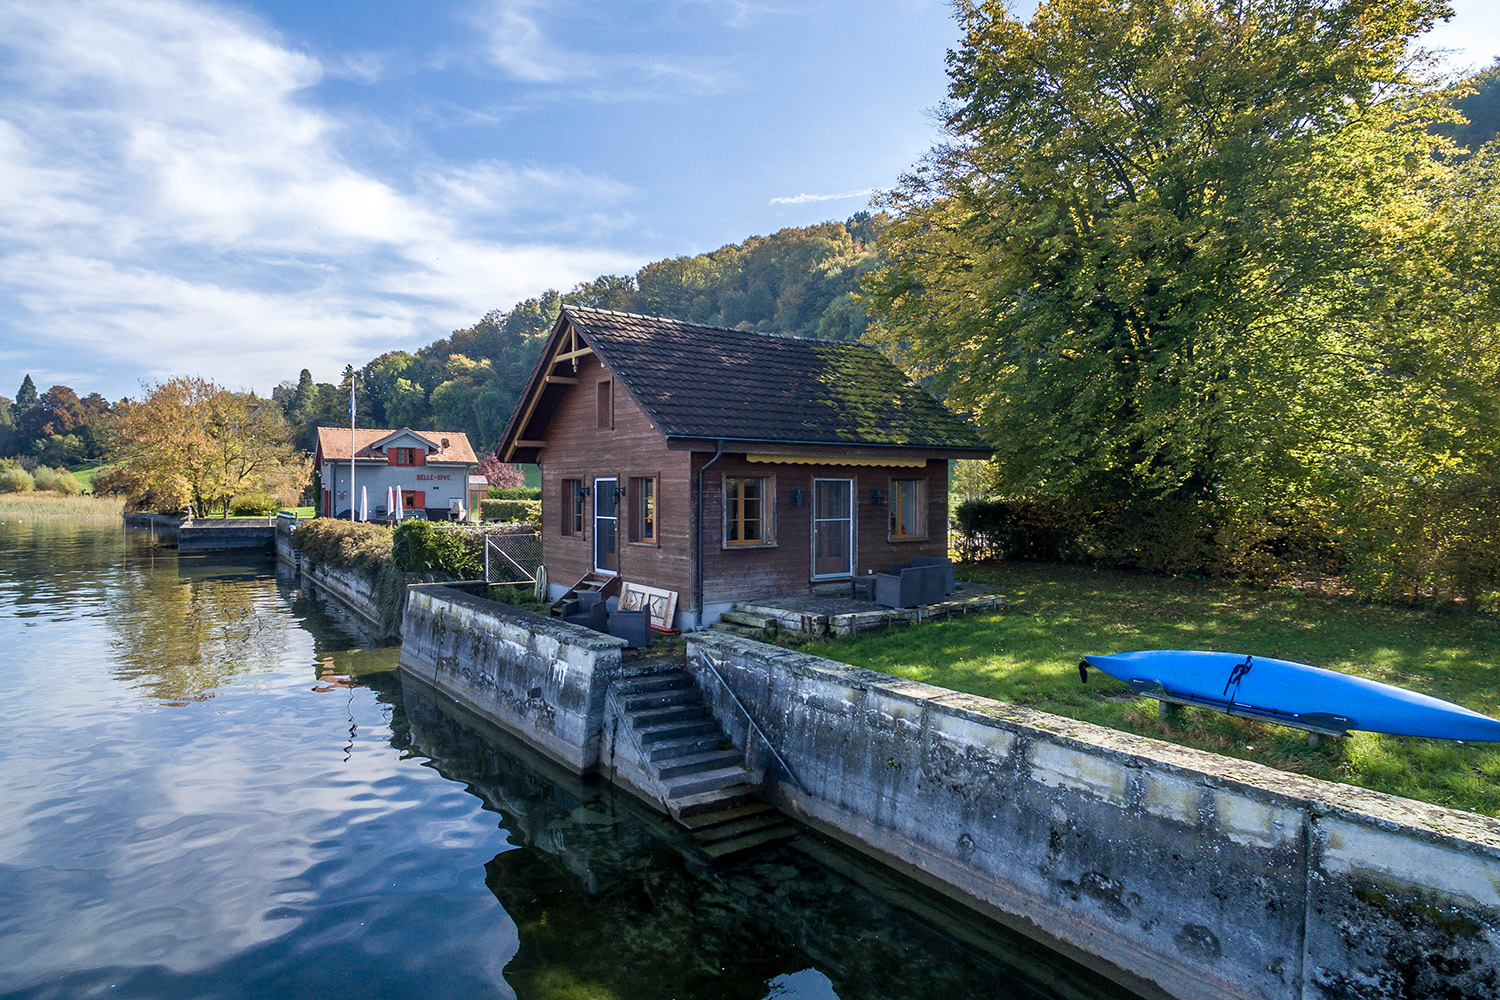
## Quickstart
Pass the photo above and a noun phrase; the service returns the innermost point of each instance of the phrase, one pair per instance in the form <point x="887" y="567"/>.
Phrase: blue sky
<point x="241" y="190"/>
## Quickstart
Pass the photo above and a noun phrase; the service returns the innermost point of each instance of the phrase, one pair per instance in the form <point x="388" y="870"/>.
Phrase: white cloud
<point x="518" y="43"/>
<point x="494" y="187"/>
<point x="806" y="199"/>
<point x="172" y="198"/>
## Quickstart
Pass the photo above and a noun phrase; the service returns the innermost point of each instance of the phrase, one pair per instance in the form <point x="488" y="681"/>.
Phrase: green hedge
<point x="344" y="544"/>
<point x="511" y="510"/>
<point x="515" y="493"/>
<point x="424" y="547"/>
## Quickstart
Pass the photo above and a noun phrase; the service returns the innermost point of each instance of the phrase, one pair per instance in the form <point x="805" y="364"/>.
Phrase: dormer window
<point x="404" y="456"/>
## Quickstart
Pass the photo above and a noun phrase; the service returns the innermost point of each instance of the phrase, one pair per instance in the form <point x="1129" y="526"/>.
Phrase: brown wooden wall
<point x="738" y="573"/>
<point x="578" y="449"/>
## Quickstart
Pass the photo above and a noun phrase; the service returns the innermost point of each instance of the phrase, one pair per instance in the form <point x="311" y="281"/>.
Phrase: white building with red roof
<point x="432" y="471"/>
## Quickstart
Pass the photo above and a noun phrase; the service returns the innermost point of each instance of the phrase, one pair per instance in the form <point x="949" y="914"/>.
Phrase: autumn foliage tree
<point x="1202" y="266"/>
<point x="192" y="434"/>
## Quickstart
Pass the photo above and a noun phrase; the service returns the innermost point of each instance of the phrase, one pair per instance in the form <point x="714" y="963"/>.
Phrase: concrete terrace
<point x="834" y="612"/>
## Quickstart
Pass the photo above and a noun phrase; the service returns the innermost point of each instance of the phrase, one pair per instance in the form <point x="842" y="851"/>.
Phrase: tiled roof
<point x="333" y="442"/>
<point x="711" y="382"/>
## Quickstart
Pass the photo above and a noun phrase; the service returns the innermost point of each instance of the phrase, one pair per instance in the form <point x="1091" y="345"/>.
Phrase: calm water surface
<point x="212" y="786"/>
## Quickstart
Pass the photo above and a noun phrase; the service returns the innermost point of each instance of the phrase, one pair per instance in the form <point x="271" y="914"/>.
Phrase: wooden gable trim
<point x="511" y="440"/>
<point x="565" y="346"/>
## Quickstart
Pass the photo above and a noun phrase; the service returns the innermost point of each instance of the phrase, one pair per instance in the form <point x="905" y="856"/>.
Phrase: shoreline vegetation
<point x="1028" y="654"/>
<point x="56" y="506"/>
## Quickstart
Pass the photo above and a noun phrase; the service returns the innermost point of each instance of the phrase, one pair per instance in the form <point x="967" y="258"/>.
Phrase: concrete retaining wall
<point x="539" y="677"/>
<point x="206" y="536"/>
<point x="165" y="526"/>
<point x="351" y="589"/>
<point x="1184" y="871"/>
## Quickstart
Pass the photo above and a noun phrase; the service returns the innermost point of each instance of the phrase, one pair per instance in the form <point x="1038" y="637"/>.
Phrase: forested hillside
<point x="1480" y="107"/>
<point x="794" y="281"/>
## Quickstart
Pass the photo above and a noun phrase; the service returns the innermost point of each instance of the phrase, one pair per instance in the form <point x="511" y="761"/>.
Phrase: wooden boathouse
<point x="722" y="464"/>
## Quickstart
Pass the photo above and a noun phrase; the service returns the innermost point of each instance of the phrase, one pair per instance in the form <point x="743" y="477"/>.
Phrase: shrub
<point x="424" y="547"/>
<point x="529" y="511"/>
<point x="254" y="505"/>
<point x="16" y="480"/>
<point x="58" y="481"/>
<point x="1023" y="528"/>
<point x="344" y="545"/>
<point x="515" y="493"/>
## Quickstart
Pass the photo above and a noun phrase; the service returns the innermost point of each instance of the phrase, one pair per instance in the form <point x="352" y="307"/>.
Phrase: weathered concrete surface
<point x="1202" y="875"/>
<point x="207" y="536"/>
<point x="351" y="589"/>
<point x="164" y="526"/>
<point x="538" y="677"/>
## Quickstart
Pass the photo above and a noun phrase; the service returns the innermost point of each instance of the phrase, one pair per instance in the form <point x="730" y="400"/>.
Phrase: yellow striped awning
<point x="896" y="463"/>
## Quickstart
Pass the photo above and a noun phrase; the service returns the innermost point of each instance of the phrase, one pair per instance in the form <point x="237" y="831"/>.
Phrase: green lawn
<point x="85" y="472"/>
<point x="1028" y="655"/>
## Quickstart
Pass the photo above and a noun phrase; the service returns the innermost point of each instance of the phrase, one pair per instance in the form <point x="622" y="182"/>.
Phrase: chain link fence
<point x="512" y="555"/>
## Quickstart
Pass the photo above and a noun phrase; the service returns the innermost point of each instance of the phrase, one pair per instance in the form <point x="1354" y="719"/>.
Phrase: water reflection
<point x="179" y="637"/>
<point x="609" y="900"/>
<point x="215" y="785"/>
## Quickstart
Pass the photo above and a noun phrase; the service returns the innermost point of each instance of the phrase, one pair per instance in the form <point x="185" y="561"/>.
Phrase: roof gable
<point x="408" y="438"/>
<point x="450" y="447"/>
<point x="713" y="383"/>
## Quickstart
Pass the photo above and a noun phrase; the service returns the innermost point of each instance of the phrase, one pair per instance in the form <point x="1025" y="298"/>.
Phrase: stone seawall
<point x="541" y="678"/>
<point x="351" y="589"/>
<point x="1185" y="871"/>
<point x="163" y="526"/>
<point x="206" y="536"/>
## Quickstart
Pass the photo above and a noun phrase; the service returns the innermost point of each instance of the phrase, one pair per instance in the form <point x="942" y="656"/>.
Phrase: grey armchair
<point x="907" y="586"/>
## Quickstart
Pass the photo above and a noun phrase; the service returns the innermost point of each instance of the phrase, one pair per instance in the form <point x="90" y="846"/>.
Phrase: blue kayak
<point x="1292" y="694"/>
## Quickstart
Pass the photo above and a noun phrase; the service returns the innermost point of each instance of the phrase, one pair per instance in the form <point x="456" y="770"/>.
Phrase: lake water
<point x="213" y="786"/>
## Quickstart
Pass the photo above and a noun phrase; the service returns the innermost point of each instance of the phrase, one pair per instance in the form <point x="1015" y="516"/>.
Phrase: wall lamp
<point x="796" y="495"/>
<point x="583" y="491"/>
<point x="876" y="497"/>
<point x="619" y="493"/>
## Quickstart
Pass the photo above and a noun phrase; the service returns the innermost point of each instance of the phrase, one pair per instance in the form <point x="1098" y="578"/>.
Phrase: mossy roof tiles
<point x="710" y="382"/>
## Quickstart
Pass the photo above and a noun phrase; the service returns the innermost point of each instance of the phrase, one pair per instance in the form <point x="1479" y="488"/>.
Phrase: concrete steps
<point x="736" y="616"/>
<point x="705" y="783"/>
<point x="749" y="633"/>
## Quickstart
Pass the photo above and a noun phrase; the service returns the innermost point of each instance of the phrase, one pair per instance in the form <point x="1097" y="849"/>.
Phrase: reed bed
<point x="56" y="507"/>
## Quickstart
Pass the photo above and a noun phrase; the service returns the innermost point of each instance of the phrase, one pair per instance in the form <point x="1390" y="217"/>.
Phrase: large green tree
<point x="1170" y="251"/>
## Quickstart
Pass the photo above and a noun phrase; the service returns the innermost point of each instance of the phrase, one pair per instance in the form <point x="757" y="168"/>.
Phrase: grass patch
<point x="87" y="472"/>
<point x="55" y="506"/>
<point x="1028" y="655"/>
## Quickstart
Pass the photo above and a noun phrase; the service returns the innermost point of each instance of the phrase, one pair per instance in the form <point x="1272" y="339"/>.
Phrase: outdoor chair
<point x="949" y="584"/>
<point x="632" y="626"/>
<point x="587" y="610"/>
<point x="908" y="586"/>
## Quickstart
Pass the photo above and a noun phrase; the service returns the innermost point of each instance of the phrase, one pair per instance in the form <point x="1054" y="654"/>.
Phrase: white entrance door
<point x="833" y="527"/>
<point x="606" y="527"/>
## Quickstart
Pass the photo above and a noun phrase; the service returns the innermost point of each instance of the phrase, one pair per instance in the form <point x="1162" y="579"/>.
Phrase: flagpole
<point x="351" y="449"/>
